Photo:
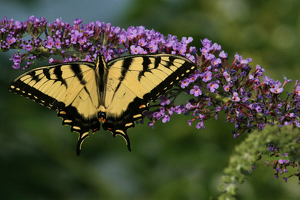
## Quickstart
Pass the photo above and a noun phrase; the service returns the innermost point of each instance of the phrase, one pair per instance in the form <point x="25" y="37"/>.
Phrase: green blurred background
<point x="172" y="161"/>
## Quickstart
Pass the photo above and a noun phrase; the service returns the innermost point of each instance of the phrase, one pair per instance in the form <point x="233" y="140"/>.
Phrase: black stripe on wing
<point x="146" y="63"/>
<point x="182" y="72"/>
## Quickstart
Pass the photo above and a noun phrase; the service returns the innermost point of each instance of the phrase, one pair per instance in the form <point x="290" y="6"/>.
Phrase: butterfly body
<point x="115" y="93"/>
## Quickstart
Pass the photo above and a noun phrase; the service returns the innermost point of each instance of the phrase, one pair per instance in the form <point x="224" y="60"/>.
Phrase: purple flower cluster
<point x="248" y="102"/>
<point x="249" y="99"/>
<point x="84" y="41"/>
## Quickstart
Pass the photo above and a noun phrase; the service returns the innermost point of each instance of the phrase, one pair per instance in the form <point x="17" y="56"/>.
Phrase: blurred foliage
<point x="172" y="161"/>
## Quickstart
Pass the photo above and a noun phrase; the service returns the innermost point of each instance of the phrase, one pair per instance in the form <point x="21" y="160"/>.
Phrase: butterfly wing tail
<point x="125" y="136"/>
<point x="111" y="126"/>
<point x="82" y="136"/>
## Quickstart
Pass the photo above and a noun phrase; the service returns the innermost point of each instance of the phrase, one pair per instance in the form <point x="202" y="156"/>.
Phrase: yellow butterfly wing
<point x="70" y="88"/>
<point x="133" y="81"/>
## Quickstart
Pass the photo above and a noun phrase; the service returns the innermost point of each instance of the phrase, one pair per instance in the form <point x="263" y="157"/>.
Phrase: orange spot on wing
<point x="142" y="106"/>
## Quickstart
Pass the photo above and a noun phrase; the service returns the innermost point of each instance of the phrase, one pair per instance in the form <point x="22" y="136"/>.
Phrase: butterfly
<point x="114" y="93"/>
